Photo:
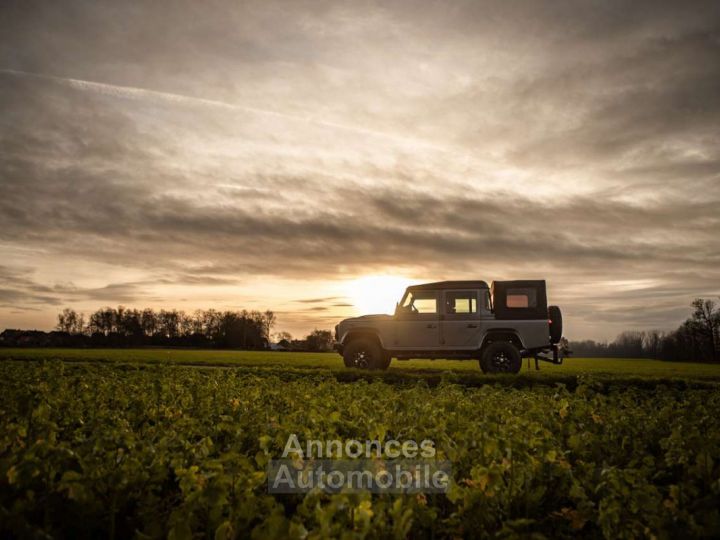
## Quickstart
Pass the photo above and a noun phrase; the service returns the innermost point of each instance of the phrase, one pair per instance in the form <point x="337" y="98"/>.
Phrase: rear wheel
<point x="364" y="353"/>
<point x="501" y="357"/>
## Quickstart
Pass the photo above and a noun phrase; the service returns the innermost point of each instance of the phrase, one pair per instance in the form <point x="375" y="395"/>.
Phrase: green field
<point x="175" y="444"/>
<point x="619" y="367"/>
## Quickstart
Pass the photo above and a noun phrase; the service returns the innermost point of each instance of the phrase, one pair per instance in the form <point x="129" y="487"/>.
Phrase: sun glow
<point x="377" y="294"/>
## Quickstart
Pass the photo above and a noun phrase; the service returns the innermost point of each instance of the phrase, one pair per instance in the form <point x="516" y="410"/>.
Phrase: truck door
<point x="417" y="324"/>
<point x="463" y="314"/>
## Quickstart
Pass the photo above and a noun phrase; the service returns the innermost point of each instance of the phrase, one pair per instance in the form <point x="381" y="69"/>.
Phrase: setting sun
<point x="377" y="294"/>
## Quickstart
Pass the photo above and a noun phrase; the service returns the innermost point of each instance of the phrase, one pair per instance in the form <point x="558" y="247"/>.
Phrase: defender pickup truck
<point x="497" y="325"/>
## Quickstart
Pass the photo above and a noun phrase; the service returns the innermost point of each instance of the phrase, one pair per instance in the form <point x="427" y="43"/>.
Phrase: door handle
<point x="432" y="325"/>
<point x="472" y="325"/>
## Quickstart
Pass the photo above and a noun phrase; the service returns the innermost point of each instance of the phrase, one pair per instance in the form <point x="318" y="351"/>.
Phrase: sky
<point x="315" y="157"/>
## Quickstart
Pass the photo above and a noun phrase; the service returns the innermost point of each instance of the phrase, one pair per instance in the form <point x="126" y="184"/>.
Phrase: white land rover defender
<point x="497" y="325"/>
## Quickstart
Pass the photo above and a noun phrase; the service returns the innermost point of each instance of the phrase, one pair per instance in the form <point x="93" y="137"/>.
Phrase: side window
<point x="461" y="302"/>
<point x="521" y="298"/>
<point x="420" y="302"/>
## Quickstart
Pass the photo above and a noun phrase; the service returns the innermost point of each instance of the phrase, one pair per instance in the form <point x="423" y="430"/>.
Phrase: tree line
<point x="123" y="327"/>
<point x="134" y="327"/>
<point x="697" y="339"/>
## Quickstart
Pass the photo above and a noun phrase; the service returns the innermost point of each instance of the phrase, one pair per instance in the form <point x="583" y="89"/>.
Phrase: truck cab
<point x="498" y="325"/>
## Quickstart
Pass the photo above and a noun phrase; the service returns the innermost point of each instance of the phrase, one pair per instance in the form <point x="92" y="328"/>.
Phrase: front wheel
<point x="365" y="354"/>
<point x="501" y="357"/>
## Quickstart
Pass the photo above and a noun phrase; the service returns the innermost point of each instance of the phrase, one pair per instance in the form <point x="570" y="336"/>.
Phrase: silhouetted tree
<point x="102" y="321"/>
<point x="129" y="323"/>
<point x="149" y="322"/>
<point x="169" y="323"/>
<point x="704" y="322"/>
<point x="280" y="336"/>
<point x="269" y="319"/>
<point x="319" y="340"/>
<point x="71" y="322"/>
<point x="628" y="344"/>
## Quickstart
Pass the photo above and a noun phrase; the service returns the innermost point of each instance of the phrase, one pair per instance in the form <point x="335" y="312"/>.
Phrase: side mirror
<point x="397" y="307"/>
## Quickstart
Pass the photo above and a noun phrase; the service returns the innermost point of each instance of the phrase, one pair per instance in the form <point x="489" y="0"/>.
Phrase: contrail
<point x="132" y="92"/>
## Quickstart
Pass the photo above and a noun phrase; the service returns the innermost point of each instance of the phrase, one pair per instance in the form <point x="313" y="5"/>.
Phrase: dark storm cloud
<point x="576" y="141"/>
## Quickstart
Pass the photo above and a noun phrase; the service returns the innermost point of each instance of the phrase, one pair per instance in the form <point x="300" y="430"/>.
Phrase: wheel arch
<point x="357" y="333"/>
<point x="502" y="334"/>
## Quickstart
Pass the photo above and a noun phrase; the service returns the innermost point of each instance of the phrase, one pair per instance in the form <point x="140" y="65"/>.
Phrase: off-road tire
<point x="501" y="357"/>
<point x="556" y="324"/>
<point x="363" y="353"/>
<point x="385" y="361"/>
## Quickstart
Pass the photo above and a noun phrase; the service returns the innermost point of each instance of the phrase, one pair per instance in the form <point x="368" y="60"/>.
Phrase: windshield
<point x="419" y="302"/>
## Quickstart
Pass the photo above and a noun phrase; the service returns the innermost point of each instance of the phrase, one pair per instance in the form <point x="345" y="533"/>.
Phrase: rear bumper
<point x="557" y="357"/>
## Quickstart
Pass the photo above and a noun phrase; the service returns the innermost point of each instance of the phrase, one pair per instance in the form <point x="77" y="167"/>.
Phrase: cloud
<point x="17" y="289"/>
<point x="189" y="151"/>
